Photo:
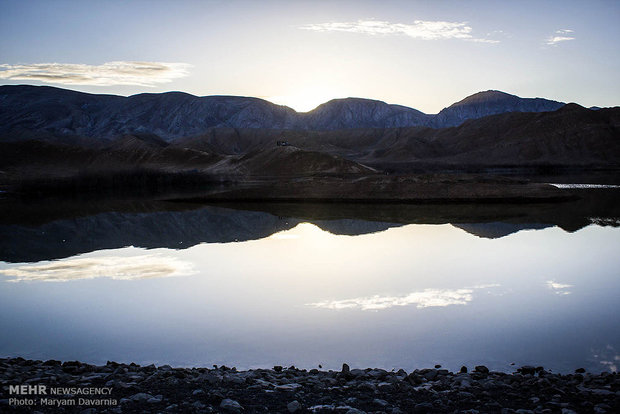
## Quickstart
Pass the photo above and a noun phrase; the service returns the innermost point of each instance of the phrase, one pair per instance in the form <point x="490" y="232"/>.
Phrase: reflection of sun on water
<point x="308" y="232"/>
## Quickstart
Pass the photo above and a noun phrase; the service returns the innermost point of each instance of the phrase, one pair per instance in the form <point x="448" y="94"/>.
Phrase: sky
<point x="422" y="54"/>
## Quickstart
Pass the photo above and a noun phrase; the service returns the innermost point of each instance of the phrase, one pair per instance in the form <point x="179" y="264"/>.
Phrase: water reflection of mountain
<point x="44" y="230"/>
<point x="498" y="229"/>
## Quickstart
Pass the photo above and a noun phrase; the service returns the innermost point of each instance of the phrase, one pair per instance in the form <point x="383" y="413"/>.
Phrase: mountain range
<point x="51" y="136"/>
<point x="31" y="232"/>
<point x="44" y="112"/>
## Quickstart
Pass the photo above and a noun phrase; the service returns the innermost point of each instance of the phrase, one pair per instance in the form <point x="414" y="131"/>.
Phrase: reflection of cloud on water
<point x="113" y="267"/>
<point x="421" y="299"/>
<point x="558" y="288"/>
<point x="608" y="357"/>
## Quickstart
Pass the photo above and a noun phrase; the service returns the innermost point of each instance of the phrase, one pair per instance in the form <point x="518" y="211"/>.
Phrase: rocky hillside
<point x="42" y="112"/>
<point x="570" y="136"/>
<point x="361" y="113"/>
<point x="487" y="103"/>
<point x="31" y="111"/>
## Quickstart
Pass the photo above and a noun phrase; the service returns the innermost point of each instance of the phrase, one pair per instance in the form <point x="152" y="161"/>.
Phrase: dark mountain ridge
<point x="573" y="137"/>
<point x="570" y="136"/>
<point x="43" y="112"/>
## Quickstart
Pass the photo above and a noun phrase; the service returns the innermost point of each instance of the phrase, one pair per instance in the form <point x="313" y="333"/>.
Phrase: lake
<point x="260" y="285"/>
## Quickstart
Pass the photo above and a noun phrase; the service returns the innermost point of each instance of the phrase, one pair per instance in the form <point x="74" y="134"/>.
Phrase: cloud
<point x="560" y="36"/>
<point x="608" y="357"/>
<point x="118" y="268"/>
<point x="420" y="29"/>
<point x="107" y="74"/>
<point x="421" y="299"/>
<point x="558" y="288"/>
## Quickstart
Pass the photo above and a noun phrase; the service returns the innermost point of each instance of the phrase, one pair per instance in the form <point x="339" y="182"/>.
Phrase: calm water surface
<point x="390" y="295"/>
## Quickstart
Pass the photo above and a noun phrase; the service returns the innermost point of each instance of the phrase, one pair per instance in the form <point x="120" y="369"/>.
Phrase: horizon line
<point x="262" y="98"/>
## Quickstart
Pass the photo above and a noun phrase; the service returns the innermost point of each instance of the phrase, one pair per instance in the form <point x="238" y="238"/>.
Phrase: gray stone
<point x="465" y="395"/>
<point x="293" y="406"/>
<point x="527" y="370"/>
<point x="345" y="369"/>
<point x="155" y="400"/>
<point x="235" y="379"/>
<point x="358" y="372"/>
<point x="141" y="396"/>
<point x="481" y="369"/>
<point x="231" y="405"/>
<point x="198" y="405"/>
<point x="599" y="391"/>
<point x="377" y="373"/>
<point x="431" y="374"/>
<point x="289" y="387"/>
<point x="423" y="407"/>
<point x="380" y="402"/>
<point x="352" y="410"/>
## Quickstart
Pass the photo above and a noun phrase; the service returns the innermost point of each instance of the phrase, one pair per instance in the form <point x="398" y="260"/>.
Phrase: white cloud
<point x="109" y="73"/>
<point x="560" y="36"/>
<point x="559" y="288"/>
<point x="422" y="299"/>
<point x="119" y="268"/>
<point x="420" y="29"/>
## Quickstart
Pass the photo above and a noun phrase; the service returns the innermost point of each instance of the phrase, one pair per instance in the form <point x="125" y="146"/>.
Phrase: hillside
<point x="42" y="112"/>
<point x="488" y="103"/>
<point x="570" y="136"/>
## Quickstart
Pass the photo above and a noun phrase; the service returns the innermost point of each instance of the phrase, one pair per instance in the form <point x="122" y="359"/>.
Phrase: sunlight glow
<point x="306" y="231"/>
<point x="307" y="98"/>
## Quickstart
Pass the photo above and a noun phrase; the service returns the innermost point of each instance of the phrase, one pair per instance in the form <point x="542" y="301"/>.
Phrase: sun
<point x="306" y="99"/>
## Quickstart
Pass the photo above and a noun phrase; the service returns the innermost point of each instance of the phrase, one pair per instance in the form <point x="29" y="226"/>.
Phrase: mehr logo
<point x="28" y="389"/>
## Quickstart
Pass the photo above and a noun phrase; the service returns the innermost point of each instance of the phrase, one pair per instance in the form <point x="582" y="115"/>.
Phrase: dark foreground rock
<point x="52" y="386"/>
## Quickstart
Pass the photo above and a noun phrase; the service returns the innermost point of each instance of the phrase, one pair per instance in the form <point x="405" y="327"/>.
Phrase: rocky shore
<point x="53" y="386"/>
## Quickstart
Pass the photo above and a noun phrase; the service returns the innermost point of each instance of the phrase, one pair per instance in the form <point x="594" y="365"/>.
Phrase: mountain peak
<point x="349" y="101"/>
<point x="572" y="106"/>
<point x="491" y="102"/>
<point x="361" y="113"/>
<point x="486" y="96"/>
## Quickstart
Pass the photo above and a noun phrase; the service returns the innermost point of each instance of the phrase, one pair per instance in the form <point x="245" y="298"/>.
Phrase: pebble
<point x="231" y="405"/>
<point x="293" y="406"/>
<point x="221" y="389"/>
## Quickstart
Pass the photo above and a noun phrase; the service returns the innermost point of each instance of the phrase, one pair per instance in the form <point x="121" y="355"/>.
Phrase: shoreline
<point x="72" y="386"/>
<point x="428" y="188"/>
